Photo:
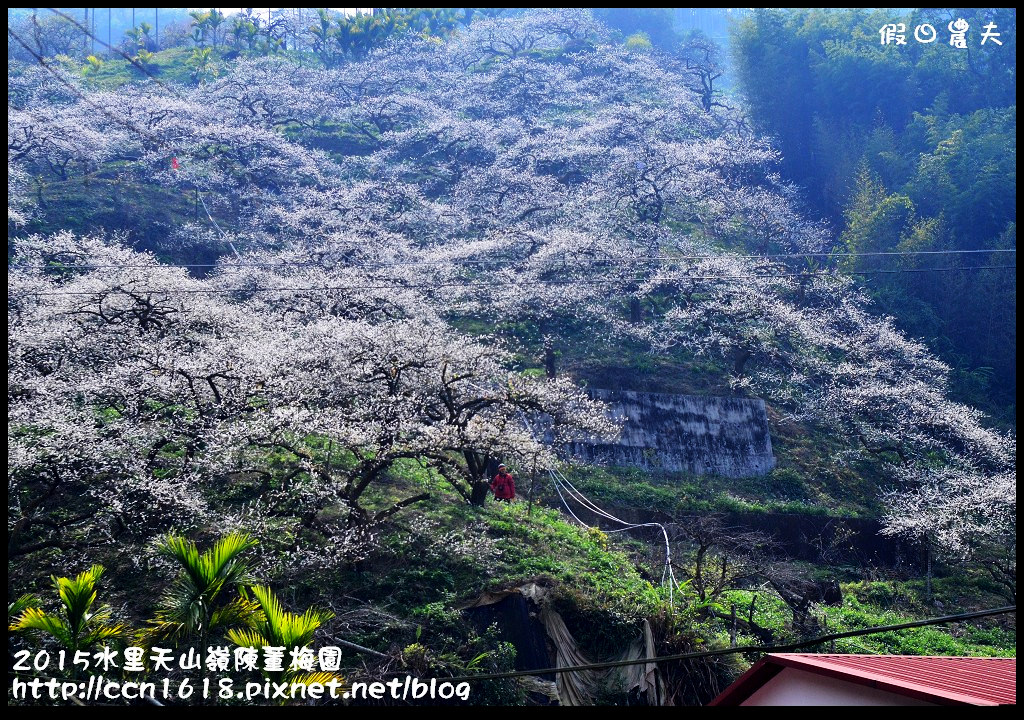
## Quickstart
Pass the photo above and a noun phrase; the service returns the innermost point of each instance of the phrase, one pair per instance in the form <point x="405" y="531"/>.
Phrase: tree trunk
<point x="928" y="571"/>
<point x="698" y="574"/>
<point x="476" y="465"/>
<point x="739" y="361"/>
<point x="384" y="514"/>
<point x="529" y="499"/>
<point x="549" y="360"/>
<point x="479" y="495"/>
<point x="732" y="627"/>
<point x="636" y="311"/>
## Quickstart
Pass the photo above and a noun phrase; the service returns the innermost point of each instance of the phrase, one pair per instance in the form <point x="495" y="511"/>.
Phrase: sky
<point x="263" y="11"/>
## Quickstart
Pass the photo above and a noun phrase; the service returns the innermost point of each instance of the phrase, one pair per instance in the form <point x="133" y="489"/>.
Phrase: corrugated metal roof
<point x="972" y="680"/>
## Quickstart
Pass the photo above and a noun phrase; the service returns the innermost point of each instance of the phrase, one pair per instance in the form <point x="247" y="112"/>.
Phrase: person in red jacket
<point x="504" y="485"/>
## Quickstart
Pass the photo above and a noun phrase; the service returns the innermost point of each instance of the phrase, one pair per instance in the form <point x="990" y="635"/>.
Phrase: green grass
<point x="169" y="66"/>
<point x="104" y="201"/>
<point x="782" y="491"/>
<point x="500" y="545"/>
<point x="440" y="553"/>
<point x="878" y="603"/>
<point x="339" y="140"/>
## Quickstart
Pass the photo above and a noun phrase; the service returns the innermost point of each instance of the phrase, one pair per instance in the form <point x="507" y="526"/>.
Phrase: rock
<point x="705" y="435"/>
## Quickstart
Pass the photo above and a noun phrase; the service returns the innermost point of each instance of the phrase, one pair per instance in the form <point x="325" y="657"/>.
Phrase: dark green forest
<point x="906" y="147"/>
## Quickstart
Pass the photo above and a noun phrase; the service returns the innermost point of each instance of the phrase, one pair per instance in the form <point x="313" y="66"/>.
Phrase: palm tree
<point x="75" y="625"/>
<point x="243" y="28"/>
<point x="217" y="18"/>
<point x="201" y="65"/>
<point x="273" y="626"/>
<point x="144" y="37"/>
<point x="200" y="26"/>
<point x="198" y="602"/>
<point x="322" y="34"/>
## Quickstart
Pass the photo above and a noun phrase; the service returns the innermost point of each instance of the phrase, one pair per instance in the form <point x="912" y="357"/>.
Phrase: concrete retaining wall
<point x="700" y="434"/>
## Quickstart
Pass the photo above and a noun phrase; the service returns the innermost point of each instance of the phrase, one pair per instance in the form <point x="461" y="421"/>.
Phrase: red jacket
<point x="503" y="486"/>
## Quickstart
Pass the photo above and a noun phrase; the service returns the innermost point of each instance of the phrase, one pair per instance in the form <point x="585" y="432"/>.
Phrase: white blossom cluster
<point x="471" y="543"/>
<point x="527" y="171"/>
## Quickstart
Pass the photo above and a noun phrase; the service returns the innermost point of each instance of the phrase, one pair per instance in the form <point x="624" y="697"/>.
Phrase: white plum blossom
<point x="526" y="171"/>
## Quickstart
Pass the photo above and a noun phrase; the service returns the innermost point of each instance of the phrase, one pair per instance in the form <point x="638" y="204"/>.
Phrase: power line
<point x="744" y="649"/>
<point x="223" y="235"/>
<point x="488" y="285"/>
<point x="161" y="143"/>
<point x="128" y="124"/>
<point x="82" y="96"/>
<point x="574" y="493"/>
<point x="139" y="66"/>
<point x="154" y="138"/>
<point x="469" y="261"/>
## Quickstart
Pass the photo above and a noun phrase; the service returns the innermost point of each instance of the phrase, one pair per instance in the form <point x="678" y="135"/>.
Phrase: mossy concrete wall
<point x="704" y="435"/>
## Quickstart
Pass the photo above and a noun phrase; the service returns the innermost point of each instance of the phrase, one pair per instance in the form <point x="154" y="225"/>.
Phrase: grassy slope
<point x="891" y="602"/>
<point x="498" y="545"/>
<point x="441" y="553"/>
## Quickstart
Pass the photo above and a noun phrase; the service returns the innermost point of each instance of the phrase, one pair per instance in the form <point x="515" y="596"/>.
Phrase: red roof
<point x="943" y="680"/>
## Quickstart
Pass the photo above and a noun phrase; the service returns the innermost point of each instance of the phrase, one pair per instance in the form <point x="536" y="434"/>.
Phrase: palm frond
<point x="78" y="595"/>
<point x="248" y="638"/>
<point x="191" y="604"/>
<point x="285" y="628"/>
<point x="239" y="612"/>
<point x="164" y="630"/>
<point x="302" y="627"/>
<point x="185" y="553"/>
<point x="270" y="621"/>
<point x="21" y="604"/>
<point x="49" y="623"/>
<point x="104" y="632"/>
<point x="220" y="559"/>
<point x="315" y="677"/>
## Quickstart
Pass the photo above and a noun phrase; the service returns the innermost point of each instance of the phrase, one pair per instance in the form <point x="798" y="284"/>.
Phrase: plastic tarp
<point x="580" y="686"/>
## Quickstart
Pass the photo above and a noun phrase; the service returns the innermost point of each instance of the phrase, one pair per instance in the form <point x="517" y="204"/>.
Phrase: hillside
<point x="280" y="299"/>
